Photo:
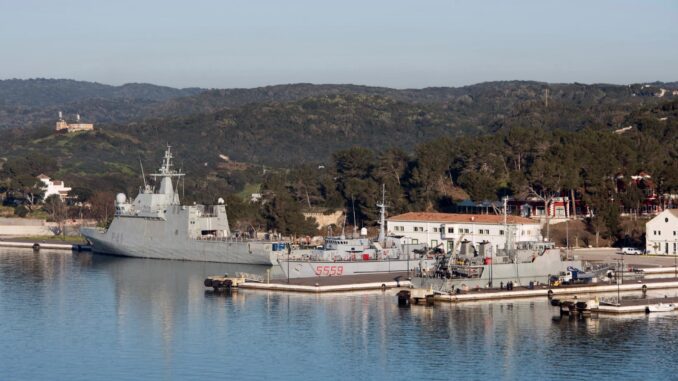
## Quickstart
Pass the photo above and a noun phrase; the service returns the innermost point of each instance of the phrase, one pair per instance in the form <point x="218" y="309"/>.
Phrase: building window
<point x="501" y="232"/>
<point x="451" y="230"/>
<point x="435" y="230"/>
<point x="466" y="230"/>
<point x="415" y="241"/>
<point x="434" y="242"/>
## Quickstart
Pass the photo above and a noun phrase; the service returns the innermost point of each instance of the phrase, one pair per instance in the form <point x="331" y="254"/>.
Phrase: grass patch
<point x="246" y="193"/>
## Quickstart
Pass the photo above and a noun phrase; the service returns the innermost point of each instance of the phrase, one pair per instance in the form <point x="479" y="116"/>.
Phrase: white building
<point x="53" y="187"/>
<point x="445" y="228"/>
<point x="661" y="233"/>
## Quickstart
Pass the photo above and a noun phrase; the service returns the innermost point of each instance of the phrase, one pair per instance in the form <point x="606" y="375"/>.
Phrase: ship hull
<point x="520" y="274"/>
<point x="241" y="252"/>
<point x="312" y="269"/>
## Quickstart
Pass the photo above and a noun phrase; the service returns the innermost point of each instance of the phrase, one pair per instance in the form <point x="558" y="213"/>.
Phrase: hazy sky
<point x="389" y="43"/>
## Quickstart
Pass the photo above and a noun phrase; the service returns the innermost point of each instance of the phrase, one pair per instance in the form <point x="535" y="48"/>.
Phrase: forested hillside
<point x="332" y="146"/>
<point x="515" y="162"/>
<point x="35" y="103"/>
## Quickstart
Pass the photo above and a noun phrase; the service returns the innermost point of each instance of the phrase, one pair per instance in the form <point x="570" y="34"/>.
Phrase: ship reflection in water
<point x="90" y="317"/>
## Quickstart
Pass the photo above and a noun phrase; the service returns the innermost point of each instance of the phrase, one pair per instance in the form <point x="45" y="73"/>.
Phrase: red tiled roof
<point x="460" y="218"/>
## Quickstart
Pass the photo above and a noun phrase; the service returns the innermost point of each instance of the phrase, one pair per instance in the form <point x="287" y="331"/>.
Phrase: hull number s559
<point x="329" y="270"/>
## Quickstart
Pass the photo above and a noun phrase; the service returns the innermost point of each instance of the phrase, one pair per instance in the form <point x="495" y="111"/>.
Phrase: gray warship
<point x="341" y="256"/>
<point x="156" y="225"/>
<point x="527" y="262"/>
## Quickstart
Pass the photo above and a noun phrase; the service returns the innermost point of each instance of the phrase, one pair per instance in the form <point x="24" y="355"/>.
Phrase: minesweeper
<point x="156" y="225"/>
<point x="341" y="256"/>
<point x="527" y="262"/>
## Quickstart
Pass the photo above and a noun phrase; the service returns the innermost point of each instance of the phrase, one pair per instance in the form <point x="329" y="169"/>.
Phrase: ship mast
<point x="506" y="228"/>
<point x="382" y="219"/>
<point x="166" y="173"/>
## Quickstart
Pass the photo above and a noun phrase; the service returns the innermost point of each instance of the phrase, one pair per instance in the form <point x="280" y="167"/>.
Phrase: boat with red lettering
<point x="341" y="256"/>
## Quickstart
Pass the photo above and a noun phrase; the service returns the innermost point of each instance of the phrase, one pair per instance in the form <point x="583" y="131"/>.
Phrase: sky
<point x="394" y="43"/>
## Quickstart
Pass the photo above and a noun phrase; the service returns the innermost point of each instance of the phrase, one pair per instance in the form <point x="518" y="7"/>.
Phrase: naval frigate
<point x="156" y="225"/>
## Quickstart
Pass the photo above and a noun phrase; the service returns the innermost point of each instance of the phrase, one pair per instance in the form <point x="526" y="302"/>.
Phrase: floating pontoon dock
<point x="333" y="284"/>
<point x="544" y="291"/>
<point x="45" y="245"/>
<point x="628" y="306"/>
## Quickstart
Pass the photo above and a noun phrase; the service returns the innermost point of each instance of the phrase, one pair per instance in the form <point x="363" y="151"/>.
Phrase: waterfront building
<point x="661" y="233"/>
<point x="53" y="187"/>
<point x="435" y="229"/>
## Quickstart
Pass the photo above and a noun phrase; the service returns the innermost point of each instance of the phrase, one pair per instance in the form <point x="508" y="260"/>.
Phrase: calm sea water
<point x="67" y="316"/>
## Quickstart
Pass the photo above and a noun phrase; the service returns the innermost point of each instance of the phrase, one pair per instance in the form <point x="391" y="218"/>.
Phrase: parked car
<point x="631" y="251"/>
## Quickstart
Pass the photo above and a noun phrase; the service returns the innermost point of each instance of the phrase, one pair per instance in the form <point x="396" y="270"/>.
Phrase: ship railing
<point x="223" y="239"/>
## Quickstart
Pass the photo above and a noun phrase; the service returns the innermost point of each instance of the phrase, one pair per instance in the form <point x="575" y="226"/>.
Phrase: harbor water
<point x="83" y="316"/>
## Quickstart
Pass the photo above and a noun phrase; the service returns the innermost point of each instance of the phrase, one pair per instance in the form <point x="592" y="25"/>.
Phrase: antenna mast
<point x="382" y="219"/>
<point x="354" y="222"/>
<point x="143" y="176"/>
<point x="506" y="230"/>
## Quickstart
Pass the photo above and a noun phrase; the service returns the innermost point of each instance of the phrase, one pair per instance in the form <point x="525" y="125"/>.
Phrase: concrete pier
<point x="633" y="305"/>
<point x="334" y="284"/>
<point x="518" y="293"/>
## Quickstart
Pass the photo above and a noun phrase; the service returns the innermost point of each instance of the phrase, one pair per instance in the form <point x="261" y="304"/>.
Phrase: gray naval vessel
<point x="525" y="263"/>
<point x="341" y="256"/>
<point x="156" y="225"/>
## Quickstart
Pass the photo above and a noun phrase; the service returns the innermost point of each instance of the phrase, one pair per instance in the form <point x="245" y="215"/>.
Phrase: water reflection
<point x="90" y="317"/>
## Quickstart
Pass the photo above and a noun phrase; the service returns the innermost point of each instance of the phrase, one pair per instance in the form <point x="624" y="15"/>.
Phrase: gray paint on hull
<point x="307" y="269"/>
<point x="252" y="252"/>
<point x="520" y="274"/>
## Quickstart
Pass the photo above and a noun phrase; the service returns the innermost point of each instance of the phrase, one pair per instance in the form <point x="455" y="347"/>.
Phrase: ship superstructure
<point x="156" y="225"/>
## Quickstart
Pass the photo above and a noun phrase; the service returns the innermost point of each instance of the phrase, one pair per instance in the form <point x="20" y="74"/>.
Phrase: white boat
<point x="660" y="307"/>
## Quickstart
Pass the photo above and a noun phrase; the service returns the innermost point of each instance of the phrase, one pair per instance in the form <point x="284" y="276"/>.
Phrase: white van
<point x="631" y="251"/>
